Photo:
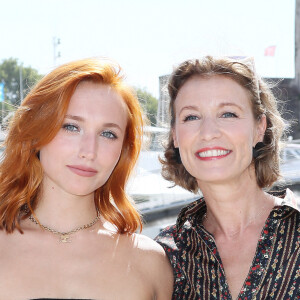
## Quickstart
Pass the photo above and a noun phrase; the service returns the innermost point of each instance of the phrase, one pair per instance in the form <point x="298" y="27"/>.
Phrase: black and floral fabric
<point x="198" y="270"/>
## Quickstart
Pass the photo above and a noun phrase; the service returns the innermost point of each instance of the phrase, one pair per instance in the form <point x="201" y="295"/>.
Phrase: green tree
<point x="10" y="75"/>
<point x="149" y="104"/>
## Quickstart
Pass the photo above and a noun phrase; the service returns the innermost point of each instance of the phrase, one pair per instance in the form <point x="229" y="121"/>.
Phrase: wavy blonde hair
<point x="262" y="100"/>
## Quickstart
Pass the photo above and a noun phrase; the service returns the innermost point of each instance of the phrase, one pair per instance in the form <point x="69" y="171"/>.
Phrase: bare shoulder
<point x="153" y="260"/>
<point x="142" y="246"/>
<point x="146" y="244"/>
<point x="150" y="253"/>
<point x="146" y="257"/>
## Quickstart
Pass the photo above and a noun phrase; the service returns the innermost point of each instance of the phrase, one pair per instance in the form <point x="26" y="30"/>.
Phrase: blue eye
<point x="229" y="115"/>
<point x="70" y="127"/>
<point x="190" y="118"/>
<point x="108" y="134"/>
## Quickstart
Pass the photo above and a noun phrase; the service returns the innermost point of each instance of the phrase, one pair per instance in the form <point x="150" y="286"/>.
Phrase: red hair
<point x="36" y="123"/>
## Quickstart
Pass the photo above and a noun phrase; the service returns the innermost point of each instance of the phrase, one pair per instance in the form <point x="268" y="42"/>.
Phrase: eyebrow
<point x="80" y="119"/>
<point x="189" y="107"/>
<point x="76" y="118"/>
<point x="193" y="107"/>
<point x="230" y="104"/>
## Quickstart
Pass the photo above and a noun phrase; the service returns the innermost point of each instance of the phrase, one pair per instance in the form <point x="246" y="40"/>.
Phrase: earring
<point x="257" y="149"/>
<point x="177" y="155"/>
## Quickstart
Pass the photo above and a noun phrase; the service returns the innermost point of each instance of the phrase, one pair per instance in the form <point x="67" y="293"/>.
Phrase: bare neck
<point x="63" y="211"/>
<point x="231" y="208"/>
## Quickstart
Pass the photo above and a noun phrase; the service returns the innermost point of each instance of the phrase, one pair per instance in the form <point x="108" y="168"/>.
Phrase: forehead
<point x="89" y="92"/>
<point x="212" y="89"/>
<point x="94" y="100"/>
<point x="96" y="89"/>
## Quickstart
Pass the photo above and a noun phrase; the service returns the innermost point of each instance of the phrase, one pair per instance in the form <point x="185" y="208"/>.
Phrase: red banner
<point x="270" y="51"/>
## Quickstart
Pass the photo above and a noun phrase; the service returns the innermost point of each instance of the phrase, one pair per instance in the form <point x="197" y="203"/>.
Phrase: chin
<point x="214" y="177"/>
<point x="81" y="194"/>
<point x="218" y="179"/>
<point x="77" y="191"/>
<point x="211" y="181"/>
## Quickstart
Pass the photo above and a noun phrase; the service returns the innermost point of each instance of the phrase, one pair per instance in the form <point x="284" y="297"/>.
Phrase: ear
<point x="174" y="138"/>
<point x="261" y="127"/>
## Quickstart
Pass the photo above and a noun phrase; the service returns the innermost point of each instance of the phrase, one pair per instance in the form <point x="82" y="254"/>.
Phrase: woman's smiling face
<point x="215" y="129"/>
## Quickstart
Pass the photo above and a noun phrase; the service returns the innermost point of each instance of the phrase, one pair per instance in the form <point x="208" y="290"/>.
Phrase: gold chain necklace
<point x="64" y="237"/>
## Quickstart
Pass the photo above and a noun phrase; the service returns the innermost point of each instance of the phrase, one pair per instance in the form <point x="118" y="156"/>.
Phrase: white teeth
<point x="211" y="153"/>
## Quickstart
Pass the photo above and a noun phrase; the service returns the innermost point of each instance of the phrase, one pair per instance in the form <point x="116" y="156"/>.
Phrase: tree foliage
<point x="149" y="104"/>
<point x="10" y="75"/>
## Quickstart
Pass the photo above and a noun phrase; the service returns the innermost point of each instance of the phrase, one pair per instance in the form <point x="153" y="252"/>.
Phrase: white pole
<point x="21" y="83"/>
<point x="56" y="54"/>
<point x="54" y="51"/>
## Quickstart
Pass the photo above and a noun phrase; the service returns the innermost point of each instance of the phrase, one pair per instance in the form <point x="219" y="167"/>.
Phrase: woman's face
<point x="215" y="129"/>
<point x="83" y="154"/>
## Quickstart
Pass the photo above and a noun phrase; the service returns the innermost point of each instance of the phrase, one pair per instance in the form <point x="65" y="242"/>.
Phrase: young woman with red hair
<point x="67" y="225"/>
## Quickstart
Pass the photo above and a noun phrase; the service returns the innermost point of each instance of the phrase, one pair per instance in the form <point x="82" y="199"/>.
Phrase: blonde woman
<point x="238" y="241"/>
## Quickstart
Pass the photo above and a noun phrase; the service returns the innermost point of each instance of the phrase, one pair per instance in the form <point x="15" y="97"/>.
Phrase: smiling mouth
<point x="213" y="153"/>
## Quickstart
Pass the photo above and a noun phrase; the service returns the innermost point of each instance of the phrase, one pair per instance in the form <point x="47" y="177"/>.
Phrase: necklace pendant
<point x="65" y="238"/>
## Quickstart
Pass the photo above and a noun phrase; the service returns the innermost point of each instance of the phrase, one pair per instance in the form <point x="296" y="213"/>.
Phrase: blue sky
<point x="148" y="37"/>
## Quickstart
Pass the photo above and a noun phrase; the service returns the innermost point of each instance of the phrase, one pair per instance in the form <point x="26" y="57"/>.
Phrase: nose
<point x="88" y="147"/>
<point x="209" y="129"/>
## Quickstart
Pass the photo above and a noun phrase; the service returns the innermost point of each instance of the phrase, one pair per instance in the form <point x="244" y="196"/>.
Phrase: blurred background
<point x="149" y="38"/>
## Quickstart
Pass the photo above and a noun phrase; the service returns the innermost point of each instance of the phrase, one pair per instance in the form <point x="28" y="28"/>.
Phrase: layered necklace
<point x="64" y="237"/>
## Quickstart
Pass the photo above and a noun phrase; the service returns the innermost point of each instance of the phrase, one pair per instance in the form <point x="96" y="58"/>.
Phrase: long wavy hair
<point x="36" y="123"/>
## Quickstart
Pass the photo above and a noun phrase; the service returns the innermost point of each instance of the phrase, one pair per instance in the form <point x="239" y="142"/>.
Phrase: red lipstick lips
<point x="212" y="153"/>
<point x="82" y="170"/>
